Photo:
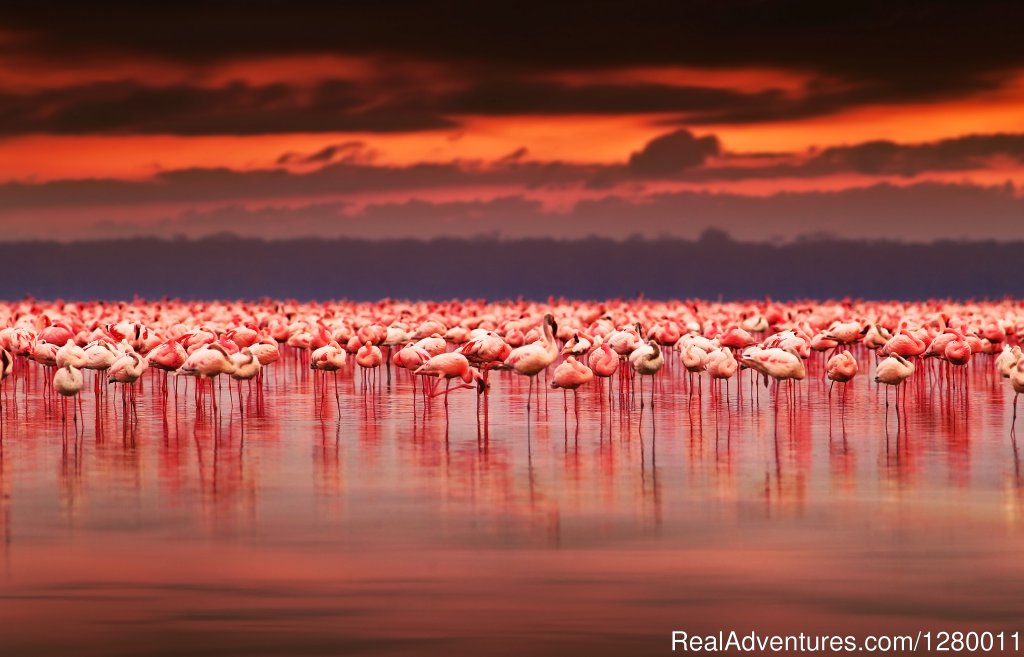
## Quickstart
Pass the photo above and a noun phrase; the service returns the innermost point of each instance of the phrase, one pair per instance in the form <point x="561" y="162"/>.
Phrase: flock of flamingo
<point x="464" y="342"/>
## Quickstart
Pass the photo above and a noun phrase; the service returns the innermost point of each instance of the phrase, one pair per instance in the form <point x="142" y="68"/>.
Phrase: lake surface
<point x="366" y="526"/>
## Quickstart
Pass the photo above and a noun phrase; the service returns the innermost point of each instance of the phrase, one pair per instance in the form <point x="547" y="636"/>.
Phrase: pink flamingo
<point x="893" y="371"/>
<point x="126" y="370"/>
<point x="369" y="358"/>
<point x="604" y="362"/>
<point x="840" y="368"/>
<point x="722" y="366"/>
<point x="206" y="364"/>
<point x="1017" y="383"/>
<point x="67" y="382"/>
<point x="647" y="360"/>
<point x="570" y="375"/>
<point x="532" y="359"/>
<point x="329" y="358"/>
<point x="450" y="366"/>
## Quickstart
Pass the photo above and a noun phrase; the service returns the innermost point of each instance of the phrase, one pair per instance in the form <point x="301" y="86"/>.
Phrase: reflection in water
<point x="286" y="522"/>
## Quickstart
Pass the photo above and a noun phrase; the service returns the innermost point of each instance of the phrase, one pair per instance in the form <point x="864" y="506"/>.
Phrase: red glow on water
<point x="289" y="519"/>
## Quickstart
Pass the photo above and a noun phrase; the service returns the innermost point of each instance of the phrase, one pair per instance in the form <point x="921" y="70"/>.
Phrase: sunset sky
<point x="771" y="120"/>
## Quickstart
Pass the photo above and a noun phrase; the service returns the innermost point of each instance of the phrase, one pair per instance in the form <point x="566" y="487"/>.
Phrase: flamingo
<point x="604" y="362"/>
<point x="722" y="364"/>
<point x="245" y="367"/>
<point x="845" y="333"/>
<point x="1007" y="360"/>
<point x="570" y="375"/>
<point x="781" y="364"/>
<point x="450" y="366"/>
<point x="57" y="333"/>
<point x="486" y="351"/>
<point x="169" y="356"/>
<point x="647" y="360"/>
<point x="1017" y="383"/>
<point x="99" y="356"/>
<point x="329" y="358"/>
<point x="71" y="354"/>
<point x="206" y="364"/>
<point x="433" y="344"/>
<point x="243" y="336"/>
<point x="67" y="382"/>
<point x="735" y="338"/>
<point x="126" y="370"/>
<point x="840" y="368"/>
<point x="410" y="357"/>
<point x="876" y="337"/>
<point x="893" y="371"/>
<point x="694" y="359"/>
<point x="532" y="359"/>
<point x="394" y="336"/>
<point x="44" y="353"/>
<point x="368" y="358"/>
<point x="777" y="363"/>
<point x="578" y="345"/>
<point x="906" y="343"/>
<point x="6" y="366"/>
<point x="625" y="341"/>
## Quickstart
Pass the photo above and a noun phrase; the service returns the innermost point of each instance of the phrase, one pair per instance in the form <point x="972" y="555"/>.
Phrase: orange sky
<point x="110" y="108"/>
<point x="569" y="138"/>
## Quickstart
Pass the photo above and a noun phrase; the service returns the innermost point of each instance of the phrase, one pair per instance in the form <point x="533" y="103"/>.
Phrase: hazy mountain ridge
<point x="711" y="267"/>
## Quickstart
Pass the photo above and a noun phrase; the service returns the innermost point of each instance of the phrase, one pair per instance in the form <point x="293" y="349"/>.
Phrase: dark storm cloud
<point x="854" y="53"/>
<point x="513" y="157"/>
<point x="919" y="213"/>
<point x="129" y="107"/>
<point x="877" y="158"/>
<point x="699" y="105"/>
<point x="337" y="105"/>
<point x="197" y="185"/>
<point x="673" y="153"/>
<point x="880" y="158"/>
<point x="889" y="158"/>
<point x="677" y="156"/>
<point x="862" y="40"/>
<point x="349" y="151"/>
<point x="517" y="97"/>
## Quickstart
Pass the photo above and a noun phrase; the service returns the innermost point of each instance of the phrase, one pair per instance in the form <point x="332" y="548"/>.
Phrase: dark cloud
<point x="918" y="213"/>
<point x="890" y="158"/>
<point x="203" y="185"/>
<point x="876" y="158"/>
<point x="522" y="96"/>
<point x="404" y="105"/>
<point x="399" y="105"/>
<point x="498" y="60"/>
<point x="348" y="152"/>
<point x="129" y="107"/>
<point x="695" y="105"/>
<point x="677" y="156"/>
<point x="871" y="39"/>
<point x="515" y="156"/>
<point x="673" y="153"/>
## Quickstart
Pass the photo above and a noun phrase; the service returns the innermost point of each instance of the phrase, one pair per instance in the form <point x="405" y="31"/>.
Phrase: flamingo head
<point x="473" y="375"/>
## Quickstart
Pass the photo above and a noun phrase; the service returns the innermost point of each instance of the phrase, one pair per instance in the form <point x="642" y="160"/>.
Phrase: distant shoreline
<point x="712" y="267"/>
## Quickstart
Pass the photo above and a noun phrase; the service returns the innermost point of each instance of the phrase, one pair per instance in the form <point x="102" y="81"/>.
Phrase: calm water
<point x="305" y="530"/>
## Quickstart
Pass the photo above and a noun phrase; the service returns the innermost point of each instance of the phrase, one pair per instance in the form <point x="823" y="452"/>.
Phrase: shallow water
<point x="316" y="528"/>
